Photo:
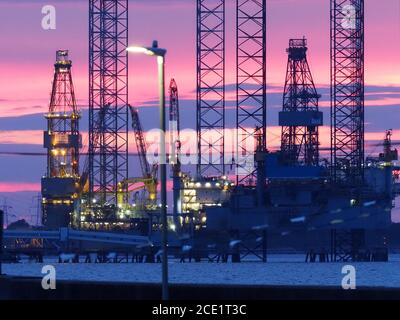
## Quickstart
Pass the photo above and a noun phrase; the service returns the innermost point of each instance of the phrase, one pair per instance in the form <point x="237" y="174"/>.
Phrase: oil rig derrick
<point x="347" y="91"/>
<point x="300" y="117"/>
<point x="108" y="96"/>
<point x="62" y="141"/>
<point x="210" y="87"/>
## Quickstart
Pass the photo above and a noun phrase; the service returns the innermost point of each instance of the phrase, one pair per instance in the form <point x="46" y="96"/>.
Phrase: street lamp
<point x="160" y="54"/>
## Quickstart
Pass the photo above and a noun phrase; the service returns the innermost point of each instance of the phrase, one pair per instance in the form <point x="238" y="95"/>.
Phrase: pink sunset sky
<point x="27" y="54"/>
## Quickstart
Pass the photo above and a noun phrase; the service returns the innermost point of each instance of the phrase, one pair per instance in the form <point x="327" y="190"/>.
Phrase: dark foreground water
<point x="280" y="270"/>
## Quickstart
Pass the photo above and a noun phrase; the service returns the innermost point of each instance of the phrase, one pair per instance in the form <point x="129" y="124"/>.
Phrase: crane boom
<point x="140" y="142"/>
<point x="175" y="159"/>
<point x="174" y="125"/>
<point x="149" y="173"/>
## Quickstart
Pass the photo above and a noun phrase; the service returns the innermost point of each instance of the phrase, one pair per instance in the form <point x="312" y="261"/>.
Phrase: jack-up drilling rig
<point x="296" y="198"/>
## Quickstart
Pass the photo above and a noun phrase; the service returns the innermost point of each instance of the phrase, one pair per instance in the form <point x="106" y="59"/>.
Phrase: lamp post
<point x="1" y="239"/>
<point x="160" y="54"/>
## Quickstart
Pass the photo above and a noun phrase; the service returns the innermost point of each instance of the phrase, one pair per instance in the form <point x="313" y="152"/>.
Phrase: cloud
<point x="382" y="105"/>
<point x="19" y="186"/>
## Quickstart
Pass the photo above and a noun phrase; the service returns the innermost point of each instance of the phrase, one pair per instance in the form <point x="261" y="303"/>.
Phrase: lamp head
<point x="153" y="51"/>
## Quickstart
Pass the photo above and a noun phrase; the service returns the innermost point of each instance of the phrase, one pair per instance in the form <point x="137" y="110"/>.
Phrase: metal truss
<point x="251" y="85"/>
<point x="210" y="87"/>
<point x="347" y="95"/>
<point x="108" y="96"/>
